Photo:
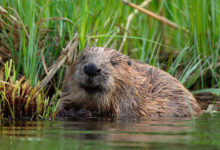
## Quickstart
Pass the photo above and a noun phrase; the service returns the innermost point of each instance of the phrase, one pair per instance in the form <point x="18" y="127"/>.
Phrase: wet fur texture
<point x="125" y="87"/>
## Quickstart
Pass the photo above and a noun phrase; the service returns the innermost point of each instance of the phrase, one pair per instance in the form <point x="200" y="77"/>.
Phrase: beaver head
<point x="95" y="77"/>
<point x="97" y="68"/>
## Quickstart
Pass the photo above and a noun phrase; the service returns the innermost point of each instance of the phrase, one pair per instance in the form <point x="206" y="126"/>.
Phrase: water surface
<point x="112" y="133"/>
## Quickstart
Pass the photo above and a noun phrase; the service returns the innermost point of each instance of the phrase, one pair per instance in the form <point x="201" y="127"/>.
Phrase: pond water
<point x="112" y="133"/>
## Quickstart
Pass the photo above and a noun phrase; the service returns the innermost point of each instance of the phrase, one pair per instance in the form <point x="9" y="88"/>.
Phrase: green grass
<point x="19" y="100"/>
<point x="191" y="57"/>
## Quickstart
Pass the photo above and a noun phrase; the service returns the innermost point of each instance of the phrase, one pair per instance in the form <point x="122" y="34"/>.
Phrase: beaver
<point x="103" y="81"/>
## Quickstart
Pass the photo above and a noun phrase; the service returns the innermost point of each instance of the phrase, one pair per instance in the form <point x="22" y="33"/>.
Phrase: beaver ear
<point x="129" y="62"/>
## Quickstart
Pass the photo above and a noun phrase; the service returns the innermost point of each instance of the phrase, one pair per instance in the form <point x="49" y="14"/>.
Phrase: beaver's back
<point x="166" y="92"/>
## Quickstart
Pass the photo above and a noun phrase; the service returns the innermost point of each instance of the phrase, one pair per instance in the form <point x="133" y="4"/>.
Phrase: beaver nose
<point x="91" y="69"/>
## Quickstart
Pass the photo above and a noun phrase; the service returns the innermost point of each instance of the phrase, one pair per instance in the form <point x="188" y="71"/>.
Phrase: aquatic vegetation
<point x="18" y="99"/>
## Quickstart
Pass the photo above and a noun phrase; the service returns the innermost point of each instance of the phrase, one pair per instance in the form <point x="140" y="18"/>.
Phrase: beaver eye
<point x="83" y="58"/>
<point x="114" y="62"/>
<point x="129" y="63"/>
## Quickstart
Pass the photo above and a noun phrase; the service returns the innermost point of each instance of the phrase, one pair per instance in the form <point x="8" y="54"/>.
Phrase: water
<point x="112" y="133"/>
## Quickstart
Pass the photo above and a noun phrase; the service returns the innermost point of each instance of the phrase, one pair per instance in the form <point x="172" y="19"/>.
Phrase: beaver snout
<point x="91" y="69"/>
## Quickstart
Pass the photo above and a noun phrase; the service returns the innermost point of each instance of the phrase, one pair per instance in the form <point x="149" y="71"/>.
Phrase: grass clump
<point x="18" y="99"/>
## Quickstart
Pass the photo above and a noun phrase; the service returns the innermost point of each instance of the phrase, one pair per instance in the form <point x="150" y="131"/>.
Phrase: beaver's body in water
<point x="106" y="82"/>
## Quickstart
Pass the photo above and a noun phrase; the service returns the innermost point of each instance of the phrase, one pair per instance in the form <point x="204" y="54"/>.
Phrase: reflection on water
<point x="112" y="133"/>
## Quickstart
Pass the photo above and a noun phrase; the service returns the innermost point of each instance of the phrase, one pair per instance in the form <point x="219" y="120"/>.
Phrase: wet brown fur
<point x="135" y="89"/>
